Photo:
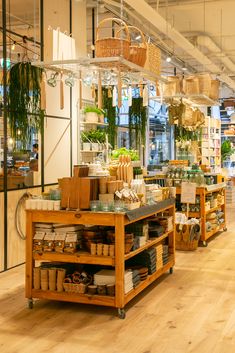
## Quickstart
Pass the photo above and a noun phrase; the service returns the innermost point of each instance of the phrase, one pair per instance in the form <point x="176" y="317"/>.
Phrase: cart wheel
<point x="204" y="243"/>
<point x="30" y="303"/>
<point x="171" y="270"/>
<point x="121" y="313"/>
<point x="225" y="229"/>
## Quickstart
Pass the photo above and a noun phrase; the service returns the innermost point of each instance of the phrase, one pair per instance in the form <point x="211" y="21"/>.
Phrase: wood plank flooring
<point x="191" y="311"/>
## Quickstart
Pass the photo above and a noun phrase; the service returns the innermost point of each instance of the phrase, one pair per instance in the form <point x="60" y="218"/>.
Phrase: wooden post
<point x="119" y="259"/>
<point x="29" y="256"/>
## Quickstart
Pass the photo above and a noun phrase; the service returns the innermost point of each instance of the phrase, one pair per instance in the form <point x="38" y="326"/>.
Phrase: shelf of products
<point x="195" y="99"/>
<point x="113" y="64"/>
<point x="123" y="262"/>
<point x="212" y="218"/>
<point x="211" y="143"/>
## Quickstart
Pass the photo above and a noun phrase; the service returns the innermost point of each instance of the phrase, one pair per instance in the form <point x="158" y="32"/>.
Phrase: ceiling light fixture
<point x="168" y="59"/>
<point x="138" y="37"/>
<point x="184" y="68"/>
<point x="13" y="46"/>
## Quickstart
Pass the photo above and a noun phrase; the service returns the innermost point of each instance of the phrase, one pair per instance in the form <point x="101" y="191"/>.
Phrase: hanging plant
<point x="111" y="114"/>
<point x="137" y="122"/>
<point x="24" y="95"/>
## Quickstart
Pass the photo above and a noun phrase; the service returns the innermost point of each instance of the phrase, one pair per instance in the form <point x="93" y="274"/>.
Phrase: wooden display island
<point x="119" y="221"/>
<point x="202" y="192"/>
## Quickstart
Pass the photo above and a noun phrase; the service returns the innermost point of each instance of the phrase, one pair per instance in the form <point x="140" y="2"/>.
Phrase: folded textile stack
<point x="44" y="227"/>
<point x="165" y="255"/>
<point x="148" y="259"/>
<point x="155" y="229"/>
<point x="135" y="277"/>
<point x="159" y="251"/>
<point x="105" y="277"/>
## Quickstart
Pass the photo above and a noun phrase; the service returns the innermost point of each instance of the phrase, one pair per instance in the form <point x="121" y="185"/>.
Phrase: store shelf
<point x="147" y="245"/>
<point x="79" y="258"/>
<point x="214" y="231"/>
<point x="144" y="284"/>
<point x="96" y="124"/>
<point x="115" y="65"/>
<point x="82" y="151"/>
<point x="191" y="214"/>
<point x="214" y="209"/>
<point x="74" y="298"/>
<point x="195" y="99"/>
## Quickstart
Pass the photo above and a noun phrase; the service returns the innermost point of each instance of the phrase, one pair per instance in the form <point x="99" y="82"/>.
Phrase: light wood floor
<point x="192" y="310"/>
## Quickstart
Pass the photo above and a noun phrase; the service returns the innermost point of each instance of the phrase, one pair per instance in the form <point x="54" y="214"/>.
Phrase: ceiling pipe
<point x="153" y="17"/>
<point x="207" y="42"/>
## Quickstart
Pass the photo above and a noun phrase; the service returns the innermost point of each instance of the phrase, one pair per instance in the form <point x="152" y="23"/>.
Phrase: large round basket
<point x="112" y="46"/>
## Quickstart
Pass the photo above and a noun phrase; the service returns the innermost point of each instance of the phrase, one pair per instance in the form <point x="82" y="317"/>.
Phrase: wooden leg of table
<point x="119" y="259"/>
<point x="29" y="257"/>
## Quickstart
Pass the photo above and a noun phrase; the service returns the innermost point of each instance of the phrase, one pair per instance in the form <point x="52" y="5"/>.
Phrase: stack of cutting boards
<point x="125" y="169"/>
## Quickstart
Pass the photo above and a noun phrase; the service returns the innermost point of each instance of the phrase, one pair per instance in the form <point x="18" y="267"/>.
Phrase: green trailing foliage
<point x="123" y="151"/>
<point x="137" y="122"/>
<point x="93" y="136"/>
<point x="226" y="149"/>
<point x="111" y="114"/>
<point x="92" y="109"/>
<point x="24" y="95"/>
<point x="182" y="134"/>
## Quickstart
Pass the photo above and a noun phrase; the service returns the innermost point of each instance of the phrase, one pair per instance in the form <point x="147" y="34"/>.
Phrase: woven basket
<point x="138" y="52"/>
<point x="191" y="85"/>
<point x="214" y="91"/>
<point x="204" y="84"/>
<point x="153" y="61"/>
<point x="186" y="246"/>
<point x="79" y="288"/>
<point x="112" y="46"/>
<point x="173" y="86"/>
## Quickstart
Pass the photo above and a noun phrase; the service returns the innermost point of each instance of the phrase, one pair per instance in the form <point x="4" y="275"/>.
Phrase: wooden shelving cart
<point x="119" y="221"/>
<point x="202" y="192"/>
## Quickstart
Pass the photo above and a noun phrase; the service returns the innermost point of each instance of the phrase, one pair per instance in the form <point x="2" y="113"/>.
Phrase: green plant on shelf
<point x="125" y="152"/>
<point x="95" y="136"/>
<point x="93" y="109"/>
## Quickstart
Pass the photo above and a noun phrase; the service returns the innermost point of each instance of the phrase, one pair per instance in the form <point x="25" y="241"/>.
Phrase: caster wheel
<point x="30" y="303"/>
<point x="121" y="314"/>
<point x="225" y="229"/>
<point x="171" y="270"/>
<point x="204" y="244"/>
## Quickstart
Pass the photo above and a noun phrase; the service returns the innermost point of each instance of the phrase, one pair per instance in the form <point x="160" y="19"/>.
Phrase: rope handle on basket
<point x="136" y="29"/>
<point x="121" y="23"/>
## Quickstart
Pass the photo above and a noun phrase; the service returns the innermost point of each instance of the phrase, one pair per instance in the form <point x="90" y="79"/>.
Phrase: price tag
<point x="188" y="192"/>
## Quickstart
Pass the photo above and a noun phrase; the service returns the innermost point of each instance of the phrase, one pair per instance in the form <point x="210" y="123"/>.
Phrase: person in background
<point x="35" y="150"/>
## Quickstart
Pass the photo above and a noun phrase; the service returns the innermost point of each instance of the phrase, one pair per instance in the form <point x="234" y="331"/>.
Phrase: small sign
<point x="188" y="192"/>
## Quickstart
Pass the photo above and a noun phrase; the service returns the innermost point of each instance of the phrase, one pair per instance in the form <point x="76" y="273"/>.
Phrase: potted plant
<point x="94" y="114"/>
<point x="226" y="150"/>
<point x="86" y="143"/>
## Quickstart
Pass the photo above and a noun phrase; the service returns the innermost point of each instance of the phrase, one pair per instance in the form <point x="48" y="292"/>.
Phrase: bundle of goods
<point x="183" y="115"/>
<point x="153" y="61"/>
<point x="101" y="249"/>
<point x="187" y="232"/>
<point x="50" y="276"/>
<point x="129" y="240"/>
<point x="77" y="282"/>
<point x="140" y="231"/>
<point x="159" y="254"/>
<point x="107" y="277"/>
<point x="214" y="220"/>
<point x="147" y="259"/>
<point x="57" y="237"/>
<point x="165" y="254"/>
<point x="92" y="235"/>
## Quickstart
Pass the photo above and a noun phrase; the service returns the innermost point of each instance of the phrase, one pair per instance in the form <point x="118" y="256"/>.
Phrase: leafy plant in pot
<point x="24" y="98"/>
<point x="94" y="114"/>
<point x="86" y="143"/>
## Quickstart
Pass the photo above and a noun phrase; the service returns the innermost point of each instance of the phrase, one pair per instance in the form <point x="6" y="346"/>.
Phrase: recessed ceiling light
<point x="168" y="59"/>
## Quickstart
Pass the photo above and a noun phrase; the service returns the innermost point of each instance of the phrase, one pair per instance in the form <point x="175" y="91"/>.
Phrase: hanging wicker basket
<point x="138" y="51"/>
<point x="153" y="61"/>
<point x="214" y="92"/>
<point x="112" y="46"/>
<point x="204" y="84"/>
